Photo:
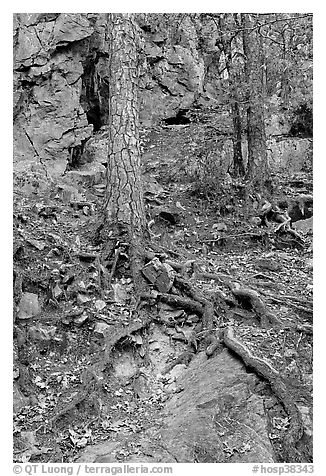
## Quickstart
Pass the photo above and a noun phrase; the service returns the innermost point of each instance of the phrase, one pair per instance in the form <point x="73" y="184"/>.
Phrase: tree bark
<point x="124" y="211"/>
<point x="257" y="167"/>
<point x="285" y="86"/>
<point x="226" y="43"/>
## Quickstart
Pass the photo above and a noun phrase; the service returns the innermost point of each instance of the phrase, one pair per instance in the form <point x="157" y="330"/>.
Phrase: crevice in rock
<point x="92" y="99"/>
<point x="179" y="119"/>
<point x="94" y="117"/>
<point x="36" y="153"/>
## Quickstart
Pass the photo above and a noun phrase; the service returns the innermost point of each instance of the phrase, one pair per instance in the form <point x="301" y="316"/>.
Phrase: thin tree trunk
<point x="257" y="168"/>
<point x="238" y="166"/>
<point x="285" y="90"/>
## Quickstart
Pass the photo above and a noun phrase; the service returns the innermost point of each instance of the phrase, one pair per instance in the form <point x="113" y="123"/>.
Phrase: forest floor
<point x="59" y="411"/>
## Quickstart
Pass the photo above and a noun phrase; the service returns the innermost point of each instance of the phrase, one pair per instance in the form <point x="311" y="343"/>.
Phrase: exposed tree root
<point x="266" y="317"/>
<point x="90" y="386"/>
<point x="113" y="335"/>
<point x="137" y="261"/>
<point x="101" y="276"/>
<point x="279" y="388"/>
<point x="173" y="300"/>
<point x="18" y="283"/>
<point x="305" y="329"/>
<point x="244" y="294"/>
<point x="305" y="301"/>
<point x="208" y="308"/>
<point x="184" y="295"/>
<point x="299" y="304"/>
<point x="196" y="302"/>
<point x="213" y="344"/>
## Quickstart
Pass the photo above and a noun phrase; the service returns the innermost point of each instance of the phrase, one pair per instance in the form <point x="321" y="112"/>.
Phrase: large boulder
<point x="214" y="416"/>
<point x="217" y="418"/>
<point x="304" y="226"/>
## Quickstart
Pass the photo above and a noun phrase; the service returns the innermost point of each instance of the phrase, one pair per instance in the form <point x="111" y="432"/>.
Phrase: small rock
<point x="68" y="193"/>
<point x="82" y="298"/>
<point x="28" y="306"/>
<point x="43" y="334"/>
<point x="220" y="227"/>
<point x="304" y="226"/>
<point x="308" y="379"/>
<point x="70" y="315"/>
<point x="16" y="373"/>
<point x="86" y="175"/>
<point x="57" y="291"/>
<point x="160" y="274"/>
<point x="255" y="221"/>
<point x="100" y="328"/>
<point x="309" y="264"/>
<point x="79" y="321"/>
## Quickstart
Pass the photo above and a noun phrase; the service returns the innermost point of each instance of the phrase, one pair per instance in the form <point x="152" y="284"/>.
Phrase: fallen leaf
<point x="99" y="304"/>
<point x="80" y="320"/>
<point x="82" y="298"/>
<point x="178" y="204"/>
<point x="137" y="339"/>
<point x="57" y="291"/>
<point x="40" y="245"/>
<point x="120" y="294"/>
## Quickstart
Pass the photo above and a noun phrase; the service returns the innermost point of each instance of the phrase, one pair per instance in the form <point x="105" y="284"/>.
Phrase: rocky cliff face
<point x="61" y="84"/>
<point x="60" y="79"/>
<point x="49" y="118"/>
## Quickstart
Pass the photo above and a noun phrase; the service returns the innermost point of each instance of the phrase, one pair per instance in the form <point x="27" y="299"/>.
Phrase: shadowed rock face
<point x="47" y="87"/>
<point x="213" y="417"/>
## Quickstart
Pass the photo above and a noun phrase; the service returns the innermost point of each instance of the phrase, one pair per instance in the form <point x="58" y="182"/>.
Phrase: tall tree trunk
<point x="285" y="87"/>
<point x="124" y="211"/>
<point x="238" y="165"/>
<point x="257" y="168"/>
<point x="226" y="43"/>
